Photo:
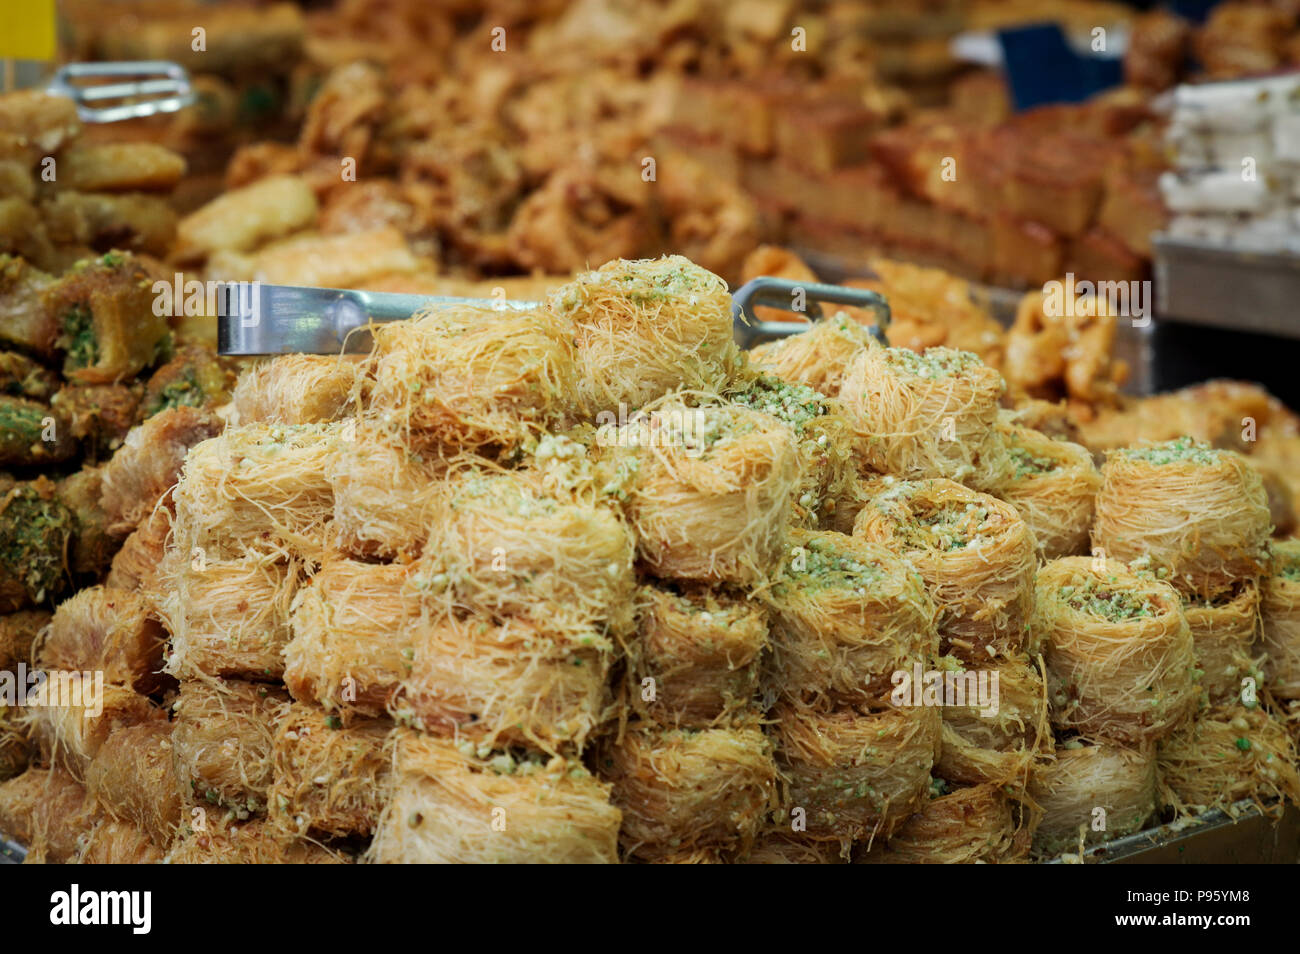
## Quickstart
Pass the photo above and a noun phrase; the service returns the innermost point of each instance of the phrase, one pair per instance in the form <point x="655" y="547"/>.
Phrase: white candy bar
<point x="1286" y="137"/>
<point x="1224" y="191"/>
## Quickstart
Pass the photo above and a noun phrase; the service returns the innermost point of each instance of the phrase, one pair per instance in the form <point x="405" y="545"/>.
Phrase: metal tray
<point x="1245" y="835"/>
<point x="1240" y="290"/>
<point x="1242" y="835"/>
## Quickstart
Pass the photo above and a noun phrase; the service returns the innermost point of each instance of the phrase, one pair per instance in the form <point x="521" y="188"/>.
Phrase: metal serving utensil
<point x="788" y="295"/>
<point x="258" y="319"/>
<point x="254" y="318"/>
<point x="138" y="88"/>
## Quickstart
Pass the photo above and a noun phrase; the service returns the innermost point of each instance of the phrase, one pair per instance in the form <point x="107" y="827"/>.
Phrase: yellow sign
<point x="27" y="29"/>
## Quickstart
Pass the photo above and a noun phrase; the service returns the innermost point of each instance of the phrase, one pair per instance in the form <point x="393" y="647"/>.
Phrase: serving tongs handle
<point x="256" y="319"/>
<point x="110" y="92"/>
<point x="789" y="295"/>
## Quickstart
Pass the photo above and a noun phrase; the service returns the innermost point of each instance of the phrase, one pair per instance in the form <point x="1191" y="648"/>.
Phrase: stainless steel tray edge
<point x="11" y="853"/>
<point x="1242" y="835"/>
<point x="1228" y="288"/>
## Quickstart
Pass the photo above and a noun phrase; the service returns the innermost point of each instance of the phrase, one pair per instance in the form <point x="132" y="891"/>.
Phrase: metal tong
<point x="136" y="89"/>
<point x="787" y="295"/>
<point x="258" y="319"/>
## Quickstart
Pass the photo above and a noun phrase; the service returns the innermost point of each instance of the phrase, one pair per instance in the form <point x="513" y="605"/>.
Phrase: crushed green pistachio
<point x="34" y="533"/>
<point x="1182" y="450"/>
<point x="1286" y="563"/>
<point x="21" y="422"/>
<point x="795" y="405"/>
<point x="954" y="528"/>
<point x="823" y="564"/>
<point x="1098" y="598"/>
<point x="934" y="363"/>
<point x="183" y="392"/>
<point x="1027" y="464"/>
<point x="78" y="339"/>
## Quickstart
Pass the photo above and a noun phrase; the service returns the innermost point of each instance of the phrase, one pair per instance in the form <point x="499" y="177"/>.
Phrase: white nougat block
<point x="1220" y="106"/>
<point x="1286" y="137"/>
<point x="1228" y="149"/>
<point x="1219" y="191"/>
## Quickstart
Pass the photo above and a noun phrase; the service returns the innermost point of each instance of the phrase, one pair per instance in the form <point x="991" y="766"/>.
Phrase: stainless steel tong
<point x="258" y="319"/>
<point x="796" y="297"/>
<point x="111" y="92"/>
<point x="286" y="319"/>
